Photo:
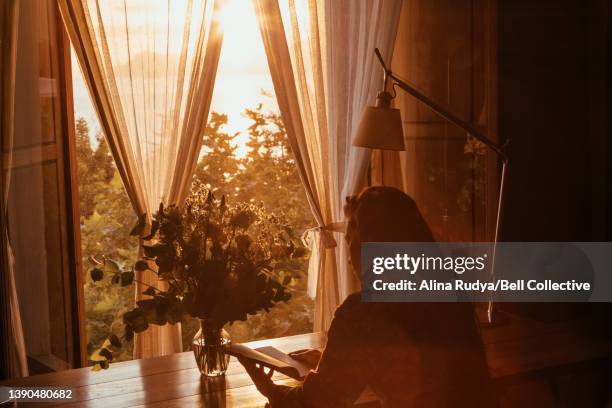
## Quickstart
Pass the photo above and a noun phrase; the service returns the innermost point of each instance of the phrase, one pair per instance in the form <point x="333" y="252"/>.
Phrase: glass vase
<point x="209" y="345"/>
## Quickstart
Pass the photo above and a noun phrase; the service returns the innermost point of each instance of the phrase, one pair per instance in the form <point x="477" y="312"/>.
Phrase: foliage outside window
<point x="266" y="173"/>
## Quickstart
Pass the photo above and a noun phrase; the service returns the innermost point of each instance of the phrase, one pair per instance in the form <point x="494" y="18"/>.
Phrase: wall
<point x="551" y="107"/>
<point x="443" y="48"/>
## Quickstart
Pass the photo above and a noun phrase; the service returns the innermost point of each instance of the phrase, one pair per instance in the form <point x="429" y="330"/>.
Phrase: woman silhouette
<point x="409" y="354"/>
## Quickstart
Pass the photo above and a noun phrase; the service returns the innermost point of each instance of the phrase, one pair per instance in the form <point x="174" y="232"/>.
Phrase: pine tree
<point x="84" y="155"/>
<point x="103" y="162"/>
<point x="218" y="165"/>
<point x="83" y="145"/>
<point x="269" y="172"/>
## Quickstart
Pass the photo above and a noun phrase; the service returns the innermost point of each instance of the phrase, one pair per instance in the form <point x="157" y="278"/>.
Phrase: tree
<point x="106" y="218"/>
<point x="218" y="165"/>
<point x="269" y="171"/>
<point x="84" y="155"/>
<point x="95" y="168"/>
<point x="83" y="145"/>
<point x="103" y="162"/>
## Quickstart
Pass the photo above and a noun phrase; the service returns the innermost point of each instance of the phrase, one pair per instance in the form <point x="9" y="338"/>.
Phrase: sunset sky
<point x="243" y="78"/>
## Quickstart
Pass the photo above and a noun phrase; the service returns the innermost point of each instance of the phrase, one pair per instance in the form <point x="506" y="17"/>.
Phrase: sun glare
<point x="243" y="78"/>
<point x="235" y="13"/>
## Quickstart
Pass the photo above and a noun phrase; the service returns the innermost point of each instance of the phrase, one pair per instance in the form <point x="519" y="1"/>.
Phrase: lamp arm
<point x="380" y="59"/>
<point x="442" y="111"/>
<point x="387" y="72"/>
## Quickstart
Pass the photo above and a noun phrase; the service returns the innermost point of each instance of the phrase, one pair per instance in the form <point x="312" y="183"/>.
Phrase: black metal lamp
<point x="381" y="128"/>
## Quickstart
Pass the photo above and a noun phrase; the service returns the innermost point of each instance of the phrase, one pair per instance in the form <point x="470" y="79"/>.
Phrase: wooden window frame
<point x="74" y="274"/>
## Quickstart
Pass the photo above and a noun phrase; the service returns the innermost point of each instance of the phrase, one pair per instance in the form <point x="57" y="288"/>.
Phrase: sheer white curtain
<point x="150" y="67"/>
<point x="9" y="18"/>
<point x="297" y="66"/>
<point x="321" y="58"/>
<point x="355" y="79"/>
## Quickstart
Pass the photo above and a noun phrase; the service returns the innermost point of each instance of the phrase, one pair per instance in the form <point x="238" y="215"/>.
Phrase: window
<point x="245" y="155"/>
<point x="40" y="200"/>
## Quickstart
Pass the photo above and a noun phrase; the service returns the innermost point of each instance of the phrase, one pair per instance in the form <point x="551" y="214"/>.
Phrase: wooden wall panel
<point x="442" y="49"/>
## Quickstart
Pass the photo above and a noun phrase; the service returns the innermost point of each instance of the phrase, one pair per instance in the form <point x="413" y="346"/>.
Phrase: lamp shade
<point x="380" y="127"/>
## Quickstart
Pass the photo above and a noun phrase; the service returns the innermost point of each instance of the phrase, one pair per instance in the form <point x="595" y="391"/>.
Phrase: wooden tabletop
<point x="174" y="381"/>
<point x="168" y="381"/>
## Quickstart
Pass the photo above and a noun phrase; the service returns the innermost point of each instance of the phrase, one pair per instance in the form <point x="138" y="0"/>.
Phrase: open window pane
<point x="40" y="208"/>
<point x="106" y="217"/>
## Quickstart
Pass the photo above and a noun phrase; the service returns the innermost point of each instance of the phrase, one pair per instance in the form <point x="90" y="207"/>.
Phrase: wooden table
<point x="174" y="381"/>
<point x="168" y="381"/>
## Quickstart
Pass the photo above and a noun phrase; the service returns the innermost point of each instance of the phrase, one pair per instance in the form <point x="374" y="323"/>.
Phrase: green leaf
<point x="287" y="279"/>
<point x="152" y="251"/>
<point x="127" y="278"/>
<point x="141" y="265"/>
<point x="128" y="333"/>
<point x="154" y="229"/>
<point x="99" y="365"/>
<point x="150" y="291"/>
<point x="114" y="341"/>
<point x="96" y="274"/>
<point x="107" y="354"/>
<point x="175" y="311"/>
<point x="140" y="326"/>
<point x="148" y="307"/>
<point x="136" y="320"/>
<point x="139" y="228"/>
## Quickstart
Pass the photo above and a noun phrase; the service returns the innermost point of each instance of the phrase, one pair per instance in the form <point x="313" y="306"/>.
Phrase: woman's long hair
<point x="386" y="214"/>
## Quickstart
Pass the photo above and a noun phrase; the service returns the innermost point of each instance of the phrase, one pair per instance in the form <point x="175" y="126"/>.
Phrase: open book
<point x="272" y="358"/>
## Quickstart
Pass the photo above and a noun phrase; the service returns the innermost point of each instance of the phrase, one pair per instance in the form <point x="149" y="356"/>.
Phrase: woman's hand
<point x="310" y="357"/>
<point x="261" y="379"/>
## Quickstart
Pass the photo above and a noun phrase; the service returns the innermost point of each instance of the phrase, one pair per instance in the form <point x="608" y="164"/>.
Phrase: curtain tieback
<point x="326" y="233"/>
